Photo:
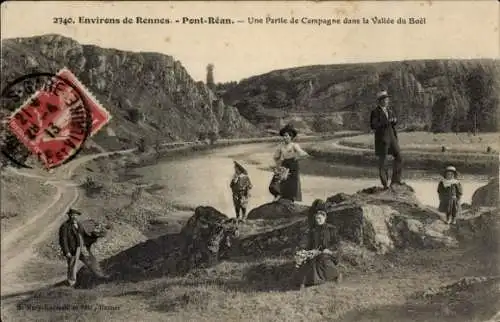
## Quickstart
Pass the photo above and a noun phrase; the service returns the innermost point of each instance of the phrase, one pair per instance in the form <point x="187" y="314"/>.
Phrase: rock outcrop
<point x="149" y="95"/>
<point x="437" y="94"/>
<point x="484" y="227"/>
<point x="380" y="221"/>
<point x="486" y="196"/>
<point x="278" y="209"/>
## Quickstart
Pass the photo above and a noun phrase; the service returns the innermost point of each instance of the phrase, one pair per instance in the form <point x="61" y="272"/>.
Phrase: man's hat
<point x="382" y="94"/>
<point x="72" y="211"/>
<point x="240" y="167"/>
<point x="290" y="130"/>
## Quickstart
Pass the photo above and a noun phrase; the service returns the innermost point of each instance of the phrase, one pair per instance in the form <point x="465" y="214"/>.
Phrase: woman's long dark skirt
<point x="290" y="188"/>
<point x="318" y="270"/>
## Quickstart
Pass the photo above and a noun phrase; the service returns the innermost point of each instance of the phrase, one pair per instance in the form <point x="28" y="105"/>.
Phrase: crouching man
<point x="76" y="238"/>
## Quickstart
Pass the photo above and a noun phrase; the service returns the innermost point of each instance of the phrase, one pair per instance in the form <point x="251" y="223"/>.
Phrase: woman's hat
<point x="290" y="130"/>
<point x="318" y="205"/>
<point x="450" y="169"/>
<point x="240" y="167"/>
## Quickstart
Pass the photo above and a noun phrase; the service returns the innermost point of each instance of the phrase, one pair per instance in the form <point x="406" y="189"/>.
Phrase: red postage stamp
<point x="55" y="122"/>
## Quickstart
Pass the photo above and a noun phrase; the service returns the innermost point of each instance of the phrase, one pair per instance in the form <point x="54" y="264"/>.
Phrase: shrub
<point x="141" y="145"/>
<point x="8" y="214"/>
<point x="202" y="136"/>
<point x="157" y="147"/>
<point x="212" y="137"/>
<point x="91" y="187"/>
<point x="133" y="115"/>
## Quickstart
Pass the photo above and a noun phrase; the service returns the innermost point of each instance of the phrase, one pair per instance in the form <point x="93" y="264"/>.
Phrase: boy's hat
<point x="240" y="167"/>
<point x="450" y="169"/>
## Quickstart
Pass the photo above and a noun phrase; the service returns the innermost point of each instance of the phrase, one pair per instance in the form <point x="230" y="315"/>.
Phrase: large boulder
<point x="203" y="217"/>
<point x="486" y="196"/>
<point x="382" y="220"/>
<point x="483" y="227"/>
<point x="209" y="236"/>
<point x="414" y="233"/>
<point x="375" y="219"/>
<point x="278" y="209"/>
<point x="382" y="228"/>
<point x="279" y="240"/>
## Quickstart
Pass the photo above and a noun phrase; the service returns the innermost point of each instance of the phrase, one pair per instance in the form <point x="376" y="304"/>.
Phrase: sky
<point x="452" y="29"/>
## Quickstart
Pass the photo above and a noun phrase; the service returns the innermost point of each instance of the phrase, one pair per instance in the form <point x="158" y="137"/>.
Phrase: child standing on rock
<point x="240" y="187"/>
<point x="450" y="193"/>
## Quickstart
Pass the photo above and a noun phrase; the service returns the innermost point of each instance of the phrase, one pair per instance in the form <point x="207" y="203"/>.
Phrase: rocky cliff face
<point x="149" y="95"/>
<point x="440" y="95"/>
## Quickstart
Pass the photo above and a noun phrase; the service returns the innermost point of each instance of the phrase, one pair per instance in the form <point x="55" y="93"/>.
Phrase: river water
<point x="204" y="179"/>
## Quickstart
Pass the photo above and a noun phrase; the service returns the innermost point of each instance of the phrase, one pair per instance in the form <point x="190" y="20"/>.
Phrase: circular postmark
<point x="48" y="118"/>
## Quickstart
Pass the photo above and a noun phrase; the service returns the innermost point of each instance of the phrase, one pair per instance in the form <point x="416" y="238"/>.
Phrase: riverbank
<point x="434" y="142"/>
<point x="358" y="151"/>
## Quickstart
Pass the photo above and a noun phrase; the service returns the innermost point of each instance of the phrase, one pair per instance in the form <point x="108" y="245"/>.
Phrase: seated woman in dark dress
<point x="323" y="267"/>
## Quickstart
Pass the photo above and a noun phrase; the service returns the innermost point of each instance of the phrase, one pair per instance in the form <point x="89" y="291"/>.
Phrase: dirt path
<point x="17" y="245"/>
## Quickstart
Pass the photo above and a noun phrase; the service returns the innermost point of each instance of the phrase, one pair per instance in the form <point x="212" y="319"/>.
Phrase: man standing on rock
<point x="383" y="122"/>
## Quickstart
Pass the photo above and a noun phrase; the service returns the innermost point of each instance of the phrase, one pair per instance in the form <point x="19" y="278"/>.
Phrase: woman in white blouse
<point x="287" y="155"/>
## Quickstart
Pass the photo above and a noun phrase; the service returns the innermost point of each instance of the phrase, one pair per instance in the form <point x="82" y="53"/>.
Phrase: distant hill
<point x="438" y="95"/>
<point x="149" y="95"/>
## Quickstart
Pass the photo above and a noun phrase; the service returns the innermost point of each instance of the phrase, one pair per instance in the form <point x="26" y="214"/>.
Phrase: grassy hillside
<point x="438" y="95"/>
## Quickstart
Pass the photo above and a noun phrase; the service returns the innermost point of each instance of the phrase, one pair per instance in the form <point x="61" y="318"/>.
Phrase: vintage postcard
<point x="250" y="161"/>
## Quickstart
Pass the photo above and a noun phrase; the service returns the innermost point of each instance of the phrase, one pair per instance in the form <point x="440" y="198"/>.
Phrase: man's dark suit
<point x="386" y="142"/>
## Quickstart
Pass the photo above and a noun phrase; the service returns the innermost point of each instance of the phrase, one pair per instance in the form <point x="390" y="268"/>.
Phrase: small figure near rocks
<point x="240" y="187"/>
<point x="383" y="122"/>
<point x="450" y="191"/>
<point x="287" y="155"/>
<point x="317" y="264"/>
<point x="74" y="236"/>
